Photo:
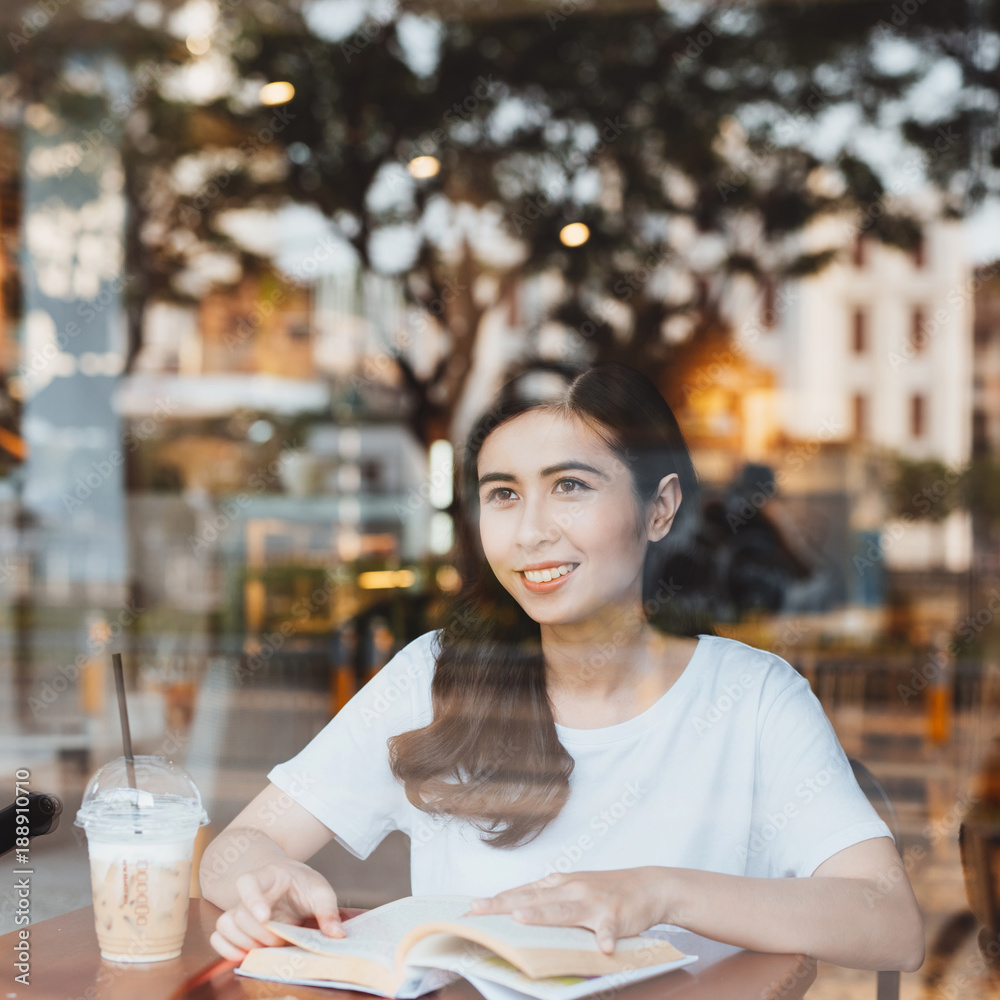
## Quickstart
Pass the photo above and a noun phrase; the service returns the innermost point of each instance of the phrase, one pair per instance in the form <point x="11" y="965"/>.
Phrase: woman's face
<point x="552" y="494"/>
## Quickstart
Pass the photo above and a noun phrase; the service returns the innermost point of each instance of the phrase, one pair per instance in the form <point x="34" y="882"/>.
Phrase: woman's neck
<point x="601" y="660"/>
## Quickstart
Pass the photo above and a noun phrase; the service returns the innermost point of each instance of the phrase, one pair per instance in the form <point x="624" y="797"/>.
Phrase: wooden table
<point x="66" y="965"/>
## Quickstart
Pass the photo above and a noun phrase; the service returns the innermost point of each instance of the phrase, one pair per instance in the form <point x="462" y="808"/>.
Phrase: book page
<point x="539" y="958"/>
<point x="374" y="935"/>
<point x="446" y="951"/>
<point x="381" y="952"/>
<point x="392" y="921"/>
<point x="384" y="934"/>
<point x="325" y="983"/>
<point x="416" y="985"/>
<point x="506" y="983"/>
<point x="291" y="964"/>
<point x="421" y="981"/>
<point x="505" y="928"/>
<point x="478" y="964"/>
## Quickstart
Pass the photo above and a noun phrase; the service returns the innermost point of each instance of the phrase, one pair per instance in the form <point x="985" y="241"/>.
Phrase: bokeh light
<point x="198" y="45"/>
<point x="278" y="92"/>
<point x="423" y="167"/>
<point x="574" y="235"/>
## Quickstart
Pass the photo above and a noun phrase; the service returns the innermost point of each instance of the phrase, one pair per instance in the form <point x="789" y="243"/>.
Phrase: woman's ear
<point x="664" y="507"/>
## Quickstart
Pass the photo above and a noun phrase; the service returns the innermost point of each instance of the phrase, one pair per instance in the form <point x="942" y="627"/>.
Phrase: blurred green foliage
<point x="929" y="489"/>
<point x="925" y="489"/>
<point x="650" y="125"/>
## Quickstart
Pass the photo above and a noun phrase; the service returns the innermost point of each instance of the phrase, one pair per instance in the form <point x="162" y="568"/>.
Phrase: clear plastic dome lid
<point x="165" y="801"/>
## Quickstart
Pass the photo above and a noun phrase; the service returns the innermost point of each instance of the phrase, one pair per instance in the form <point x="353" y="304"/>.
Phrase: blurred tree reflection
<point x="652" y="127"/>
<point x="925" y="489"/>
<point x="84" y="64"/>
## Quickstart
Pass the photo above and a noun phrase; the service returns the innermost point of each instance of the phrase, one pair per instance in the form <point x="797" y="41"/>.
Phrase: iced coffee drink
<point x="141" y="842"/>
<point x="141" y="900"/>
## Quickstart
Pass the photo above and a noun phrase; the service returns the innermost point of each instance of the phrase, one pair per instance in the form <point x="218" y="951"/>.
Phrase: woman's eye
<point x="503" y="495"/>
<point x="495" y="495"/>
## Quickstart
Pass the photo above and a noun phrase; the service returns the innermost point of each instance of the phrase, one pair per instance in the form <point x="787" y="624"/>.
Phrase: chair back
<point x="879" y="798"/>
<point x="887" y="984"/>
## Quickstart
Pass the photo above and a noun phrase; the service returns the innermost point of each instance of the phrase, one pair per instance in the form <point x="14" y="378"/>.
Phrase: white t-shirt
<point x="735" y="769"/>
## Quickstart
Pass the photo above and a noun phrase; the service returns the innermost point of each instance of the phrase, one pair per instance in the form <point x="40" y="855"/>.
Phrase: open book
<point x="417" y="944"/>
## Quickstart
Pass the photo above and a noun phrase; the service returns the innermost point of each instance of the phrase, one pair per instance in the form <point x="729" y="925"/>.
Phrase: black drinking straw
<point x="116" y="659"/>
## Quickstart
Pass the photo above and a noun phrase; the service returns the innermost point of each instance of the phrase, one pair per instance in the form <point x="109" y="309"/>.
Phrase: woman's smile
<point x="541" y="581"/>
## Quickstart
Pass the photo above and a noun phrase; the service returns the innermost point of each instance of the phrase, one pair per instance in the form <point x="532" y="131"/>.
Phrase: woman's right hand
<point x="287" y="891"/>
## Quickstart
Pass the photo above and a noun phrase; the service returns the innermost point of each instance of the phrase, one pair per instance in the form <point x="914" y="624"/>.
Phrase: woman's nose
<point x="537" y="525"/>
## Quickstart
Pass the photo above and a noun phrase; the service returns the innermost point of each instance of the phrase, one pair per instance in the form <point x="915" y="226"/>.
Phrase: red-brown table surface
<point x="66" y="965"/>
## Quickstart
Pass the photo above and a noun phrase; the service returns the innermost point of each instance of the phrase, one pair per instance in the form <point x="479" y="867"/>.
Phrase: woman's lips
<point x="544" y="588"/>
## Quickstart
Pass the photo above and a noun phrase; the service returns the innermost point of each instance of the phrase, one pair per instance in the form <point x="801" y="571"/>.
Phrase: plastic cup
<point x="141" y="842"/>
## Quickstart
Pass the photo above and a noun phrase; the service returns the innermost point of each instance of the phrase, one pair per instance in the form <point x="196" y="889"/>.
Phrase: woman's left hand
<point x="613" y="904"/>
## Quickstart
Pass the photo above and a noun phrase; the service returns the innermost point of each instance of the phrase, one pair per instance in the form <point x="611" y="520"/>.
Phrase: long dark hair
<point x="491" y="755"/>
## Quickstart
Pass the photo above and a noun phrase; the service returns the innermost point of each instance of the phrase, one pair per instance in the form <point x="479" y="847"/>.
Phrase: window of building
<point x="918" y="415"/>
<point x="980" y="433"/>
<point x="859" y="253"/>
<point x="239" y="330"/>
<point x="859" y="331"/>
<point x="769" y="304"/>
<point x="859" y="414"/>
<point x="918" y="329"/>
<point x="372" y="478"/>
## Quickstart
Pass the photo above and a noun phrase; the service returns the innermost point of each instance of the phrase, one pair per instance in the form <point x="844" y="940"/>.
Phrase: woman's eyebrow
<point x="507" y="477"/>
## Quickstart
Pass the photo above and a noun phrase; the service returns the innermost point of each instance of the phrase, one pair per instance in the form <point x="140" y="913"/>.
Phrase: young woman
<point x="569" y="746"/>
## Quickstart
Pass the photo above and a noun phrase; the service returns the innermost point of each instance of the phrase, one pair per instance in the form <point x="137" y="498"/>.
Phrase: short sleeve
<point x="807" y="802"/>
<point x="342" y="775"/>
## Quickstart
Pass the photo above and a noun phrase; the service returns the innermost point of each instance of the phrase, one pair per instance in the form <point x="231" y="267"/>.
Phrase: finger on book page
<point x="322" y="901"/>
<point x="328" y="920"/>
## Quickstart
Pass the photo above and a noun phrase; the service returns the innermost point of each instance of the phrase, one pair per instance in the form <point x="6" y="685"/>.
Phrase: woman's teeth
<point x="545" y="575"/>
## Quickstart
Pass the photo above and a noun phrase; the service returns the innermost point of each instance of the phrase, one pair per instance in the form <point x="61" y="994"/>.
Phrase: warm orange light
<point x="574" y="235"/>
<point x="448" y="579"/>
<point x="423" y="167"/>
<point x="11" y="442"/>
<point x="279" y="92"/>
<point x="385" y="578"/>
